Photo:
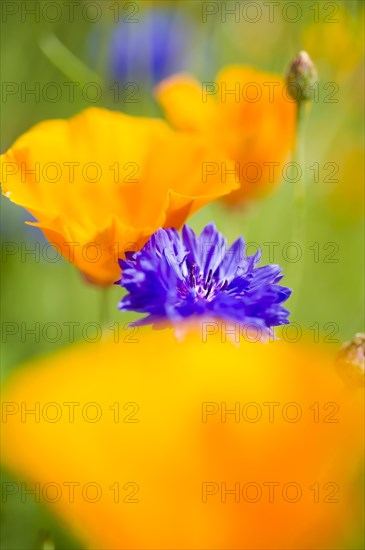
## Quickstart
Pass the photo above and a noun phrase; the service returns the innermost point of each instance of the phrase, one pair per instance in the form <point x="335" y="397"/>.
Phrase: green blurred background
<point x="329" y="306"/>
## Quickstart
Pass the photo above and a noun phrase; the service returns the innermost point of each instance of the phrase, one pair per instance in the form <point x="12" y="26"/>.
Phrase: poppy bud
<point x="301" y="76"/>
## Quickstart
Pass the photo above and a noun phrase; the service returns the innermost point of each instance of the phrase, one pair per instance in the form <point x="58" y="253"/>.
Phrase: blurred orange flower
<point x="193" y="445"/>
<point x="248" y="113"/>
<point x="102" y="182"/>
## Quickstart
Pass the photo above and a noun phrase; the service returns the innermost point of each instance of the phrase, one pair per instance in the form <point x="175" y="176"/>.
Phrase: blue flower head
<point x="174" y="278"/>
<point x="157" y="44"/>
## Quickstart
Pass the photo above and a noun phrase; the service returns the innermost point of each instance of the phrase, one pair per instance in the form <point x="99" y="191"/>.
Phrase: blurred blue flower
<point x="156" y="46"/>
<point x="173" y="278"/>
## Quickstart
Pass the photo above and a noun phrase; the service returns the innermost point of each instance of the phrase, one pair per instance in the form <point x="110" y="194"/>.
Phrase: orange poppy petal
<point x="162" y="430"/>
<point x="247" y="113"/>
<point x="186" y="103"/>
<point x="107" y="178"/>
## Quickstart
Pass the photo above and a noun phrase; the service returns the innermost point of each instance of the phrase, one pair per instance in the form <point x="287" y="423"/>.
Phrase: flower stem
<point x="70" y="65"/>
<point x="103" y="312"/>
<point x="299" y="211"/>
<point x="300" y="153"/>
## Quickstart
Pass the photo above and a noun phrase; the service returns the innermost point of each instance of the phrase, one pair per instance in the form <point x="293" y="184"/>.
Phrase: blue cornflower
<point x="157" y="46"/>
<point x="174" y="278"/>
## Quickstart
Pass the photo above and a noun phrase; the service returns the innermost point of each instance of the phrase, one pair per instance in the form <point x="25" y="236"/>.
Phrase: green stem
<point x="300" y="151"/>
<point x="299" y="211"/>
<point x="70" y="65"/>
<point x="104" y="311"/>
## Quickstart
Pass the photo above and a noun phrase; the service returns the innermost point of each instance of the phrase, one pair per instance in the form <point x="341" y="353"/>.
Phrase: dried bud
<point x="300" y="77"/>
<point x="350" y="360"/>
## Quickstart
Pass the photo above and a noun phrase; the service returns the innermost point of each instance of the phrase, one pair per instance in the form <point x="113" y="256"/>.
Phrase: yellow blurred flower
<point x="193" y="445"/>
<point x="336" y="40"/>
<point x="347" y="195"/>
<point x="102" y="182"/>
<point x="248" y="113"/>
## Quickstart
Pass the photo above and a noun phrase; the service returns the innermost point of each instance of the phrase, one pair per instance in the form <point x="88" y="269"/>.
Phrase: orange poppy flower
<point x="102" y="182"/>
<point x="150" y="443"/>
<point x="248" y="113"/>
